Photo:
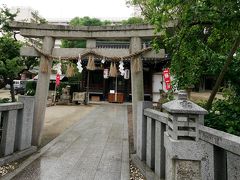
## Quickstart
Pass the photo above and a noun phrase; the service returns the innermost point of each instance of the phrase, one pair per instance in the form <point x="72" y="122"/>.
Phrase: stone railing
<point x="176" y="144"/>
<point x="16" y="120"/>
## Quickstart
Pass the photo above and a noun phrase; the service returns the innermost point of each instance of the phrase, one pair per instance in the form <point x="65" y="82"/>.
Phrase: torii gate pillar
<point x="42" y="92"/>
<point x="137" y="85"/>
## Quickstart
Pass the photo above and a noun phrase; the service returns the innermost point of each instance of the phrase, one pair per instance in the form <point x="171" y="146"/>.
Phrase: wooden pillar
<point x="42" y="92"/>
<point x="137" y="86"/>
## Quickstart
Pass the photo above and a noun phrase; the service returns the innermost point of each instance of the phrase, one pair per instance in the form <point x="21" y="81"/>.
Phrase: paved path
<point x="96" y="148"/>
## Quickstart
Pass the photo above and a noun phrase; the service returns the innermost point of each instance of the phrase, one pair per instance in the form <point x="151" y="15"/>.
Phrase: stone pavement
<point x="95" y="148"/>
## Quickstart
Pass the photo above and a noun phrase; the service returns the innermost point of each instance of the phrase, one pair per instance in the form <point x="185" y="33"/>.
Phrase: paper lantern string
<point x="58" y="67"/>
<point x="121" y="68"/>
<point x="79" y="64"/>
<point x="103" y="60"/>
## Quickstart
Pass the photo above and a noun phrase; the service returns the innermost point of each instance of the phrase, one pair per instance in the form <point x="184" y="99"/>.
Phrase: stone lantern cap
<point x="183" y="106"/>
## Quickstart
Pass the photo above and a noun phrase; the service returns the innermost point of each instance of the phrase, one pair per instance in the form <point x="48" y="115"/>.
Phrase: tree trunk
<point x="12" y="91"/>
<point x="222" y="73"/>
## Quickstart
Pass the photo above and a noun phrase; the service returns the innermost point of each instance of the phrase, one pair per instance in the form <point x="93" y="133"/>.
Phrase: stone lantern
<point x="183" y="118"/>
<point x="185" y="153"/>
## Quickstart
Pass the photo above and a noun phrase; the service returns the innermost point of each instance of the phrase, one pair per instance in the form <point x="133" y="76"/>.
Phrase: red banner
<point x="167" y="78"/>
<point x="57" y="80"/>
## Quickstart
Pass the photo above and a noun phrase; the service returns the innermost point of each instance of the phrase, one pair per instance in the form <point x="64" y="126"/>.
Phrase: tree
<point x="133" y="20"/>
<point x="206" y="34"/>
<point x="31" y="62"/>
<point x="5" y="18"/>
<point x="37" y="19"/>
<point x="85" y="21"/>
<point x="10" y="61"/>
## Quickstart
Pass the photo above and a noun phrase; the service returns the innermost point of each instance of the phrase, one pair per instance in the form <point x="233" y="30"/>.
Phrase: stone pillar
<point x="150" y="153"/>
<point x="137" y="86"/>
<point x="8" y="134"/>
<point x="25" y="123"/>
<point x="142" y="129"/>
<point x="42" y="92"/>
<point x="159" y="168"/>
<point x="91" y="43"/>
<point x="233" y="166"/>
<point x="186" y="155"/>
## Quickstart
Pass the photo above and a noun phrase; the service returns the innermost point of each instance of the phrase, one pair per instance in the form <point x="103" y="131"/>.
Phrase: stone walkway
<point x="96" y="148"/>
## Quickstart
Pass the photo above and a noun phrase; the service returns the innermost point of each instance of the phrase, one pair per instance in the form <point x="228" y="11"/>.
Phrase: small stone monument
<point x="65" y="97"/>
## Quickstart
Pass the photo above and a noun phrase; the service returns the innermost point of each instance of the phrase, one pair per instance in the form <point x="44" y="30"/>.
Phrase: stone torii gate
<point x="49" y="33"/>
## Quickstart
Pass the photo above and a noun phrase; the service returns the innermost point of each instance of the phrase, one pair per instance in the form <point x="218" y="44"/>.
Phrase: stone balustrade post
<point x="24" y="123"/>
<point x="186" y="156"/>
<point x="142" y="129"/>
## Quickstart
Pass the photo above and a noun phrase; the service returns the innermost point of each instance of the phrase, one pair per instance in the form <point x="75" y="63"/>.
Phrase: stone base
<point x="184" y="158"/>
<point x="17" y="155"/>
<point x="187" y="170"/>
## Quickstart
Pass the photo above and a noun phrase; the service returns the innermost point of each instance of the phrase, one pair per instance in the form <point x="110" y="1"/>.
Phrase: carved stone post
<point x="137" y="86"/>
<point x="42" y="91"/>
<point x="185" y="154"/>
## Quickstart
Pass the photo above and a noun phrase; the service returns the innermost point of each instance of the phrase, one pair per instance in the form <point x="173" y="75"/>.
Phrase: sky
<point x="68" y="9"/>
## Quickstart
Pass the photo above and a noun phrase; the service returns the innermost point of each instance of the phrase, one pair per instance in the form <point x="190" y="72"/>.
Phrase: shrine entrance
<point x="139" y="59"/>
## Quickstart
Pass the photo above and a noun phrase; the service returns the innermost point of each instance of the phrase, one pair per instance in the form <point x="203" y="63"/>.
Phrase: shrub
<point x="4" y="100"/>
<point x="31" y="88"/>
<point x="225" y="114"/>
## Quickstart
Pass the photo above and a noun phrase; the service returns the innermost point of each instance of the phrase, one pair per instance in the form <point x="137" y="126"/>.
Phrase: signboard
<point x="105" y="73"/>
<point x="167" y="78"/>
<point x="126" y="74"/>
<point x="57" y="80"/>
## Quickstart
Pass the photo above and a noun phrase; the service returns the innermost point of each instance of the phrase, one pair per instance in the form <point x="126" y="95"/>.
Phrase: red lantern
<point x="167" y="78"/>
<point x="57" y="80"/>
<point x="168" y="86"/>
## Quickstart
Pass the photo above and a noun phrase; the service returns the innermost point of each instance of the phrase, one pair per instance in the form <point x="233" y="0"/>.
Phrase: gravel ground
<point x="135" y="173"/>
<point x="8" y="168"/>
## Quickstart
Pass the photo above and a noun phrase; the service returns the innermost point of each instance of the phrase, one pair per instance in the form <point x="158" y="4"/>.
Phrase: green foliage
<point x="30" y="62"/>
<point x="4" y="100"/>
<point x="37" y="19"/>
<point x="5" y="18"/>
<point x="31" y="88"/>
<point x="197" y="34"/>
<point x="225" y="114"/>
<point x="76" y="78"/>
<point x="133" y="20"/>
<point x="10" y="61"/>
<point x="85" y="21"/>
<point x="233" y="75"/>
